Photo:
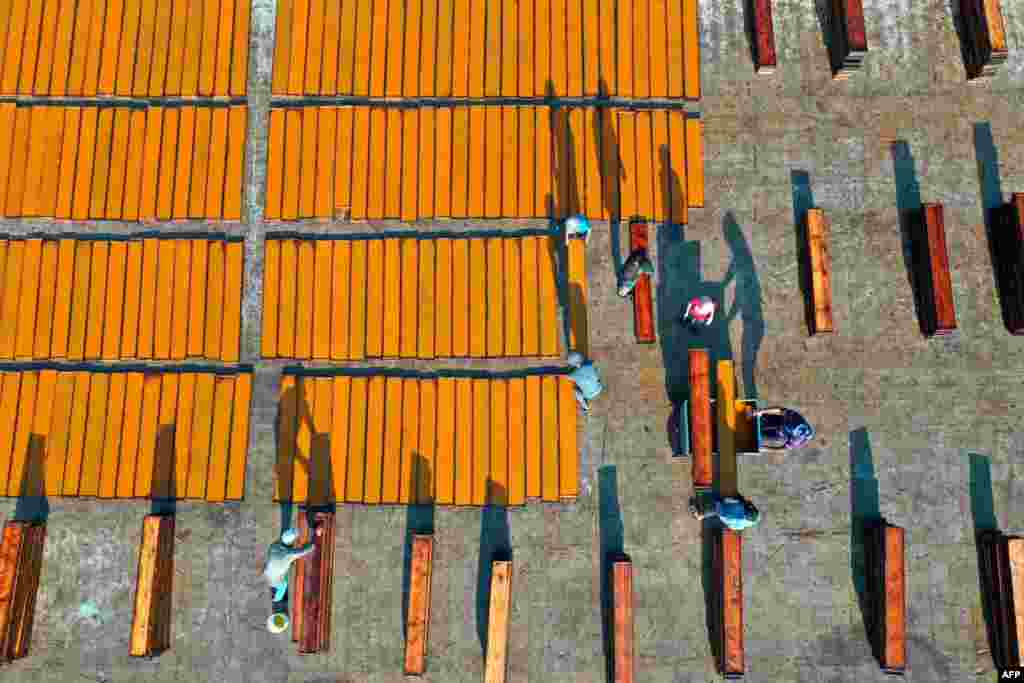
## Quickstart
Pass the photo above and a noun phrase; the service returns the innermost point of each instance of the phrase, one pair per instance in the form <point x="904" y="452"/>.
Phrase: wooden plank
<point x="424" y="465"/>
<point x="19" y="160"/>
<point x="183" y="175"/>
<point x="516" y="443"/>
<point x="414" y="15"/>
<point x="499" y="428"/>
<point x="216" y="165"/>
<point x="542" y="49"/>
<point x="375" y="415"/>
<point x="495" y="290"/>
<point x="533" y="442"/>
<point x="360" y="160"/>
<point x="627" y="158"/>
<point x="97" y="299"/>
<point x="725" y="398"/>
<point x="43" y="129"/>
<point x="304" y="297"/>
<point x="33" y="480"/>
<point x="461" y="289"/>
<point x="730" y="563"/>
<point x="677" y="164"/>
<point x="940" y="289"/>
<point x="358" y="303"/>
<point x="339" y="436"/>
<point x="68" y="158"/>
<point x="557" y="86"/>
<point x="389" y="483"/>
<point x="79" y="38"/>
<point x="477" y="298"/>
<point x="271" y="302"/>
<point x="202" y="430"/>
<point x="417" y="622"/>
<point x="108" y="57"/>
<point x="275" y="164"/>
<point x="343" y="161"/>
<point x="330" y="71"/>
<point x="297" y="56"/>
<point x="409" y="332"/>
<point x="548" y="296"/>
<point x="62" y="304"/>
<point x="151" y="64"/>
<point x="7" y="119"/>
<point x="379" y="140"/>
<point x="114" y="307"/>
<point x="355" y="40"/>
<point x="150" y="408"/>
<point x="427" y="132"/>
<point x="112" y="440"/>
<point x="499" y="615"/>
<point x="11" y="297"/>
<point x="292" y="185"/>
<point x="133" y="294"/>
<point x="92" y="456"/>
<point x="131" y="429"/>
<point x="444" y="459"/>
<point x="321" y="299"/>
<point x="162" y="472"/>
<point x="29" y="298"/>
<point x="464" y="463"/>
<point x="443" y="296"/>
<point x="182" y="308"/>
<point x="301" y="472"/>
<point x="821" y="269"/>
<point x="575" y="47"/>
<point x="622" y="619"/>
<point x="61" y="57"/>
<point x="477" y="199"/>
<point x="12" y="549"/>
<point x="188" y="408"/>
<point x="427" y="299"/>
<point x="410" y="441"/>
<point x="215" y="301"/>
<point x="409" y="203"/>
<point x="565" y="178"/>
<point x="550" y="478"/>
<point x="1015" y="553"/>
<point x="314" y="47"/>
<point x="481" y="441"/>
<point x="321" y="479"/>
<point x="396" y="30"/>
<point x="141" y="643"/>
<point x="340" y="279"/>
<point x="694" y="161"/>
<point x="163" y="187"/>
<point x="661" y="167"/>
<point x="568" y="453"/>
<point x="459" y="162"/>
<point x="493" y="48"/>
<point x="307" y="164"/>
<point x="282" y="47"/>
<point x="643" y="301"/>
<point x="512" y="298"/>
<point x="447" y="55"/>
<point x="589" y="141"/>
<point x="691" y="52"/>
<point x="524" y="34"/>
<point x="76" y="433"/>
<point x="134" y="166"/>
<point x="165" y="281"/>
<point x="57" y="441"/>
<point x="287" y="427"/>
<point x="8" y="420"/>
<point x="579" y="328"/>
<point x="376" y="74"/>
<point x="198" y="293"/>
<point x="325" y="149"/>
<point x="493" y="188"/>
<point x="529" y="286"/>
<point x="700" y="417"/>
<point x="475" y="45"/>
<point x="526" y="160"/>
<point x="30" y="46"/>
<point x="765" y="60"/>
<point x="240" y="63"/>
<point x="287" y="294"/>
<point x="357" y="441"/>
<point x="239" y="437"/>
<point x="644" y="186"/>
<point x="384" y="297"/>
<point x="894" y="655"/>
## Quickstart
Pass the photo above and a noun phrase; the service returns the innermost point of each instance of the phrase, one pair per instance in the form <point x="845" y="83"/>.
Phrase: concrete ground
<point x="886" y="402"/>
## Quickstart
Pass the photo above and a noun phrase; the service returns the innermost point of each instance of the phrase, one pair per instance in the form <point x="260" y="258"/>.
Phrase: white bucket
<point x="277" y="622"/>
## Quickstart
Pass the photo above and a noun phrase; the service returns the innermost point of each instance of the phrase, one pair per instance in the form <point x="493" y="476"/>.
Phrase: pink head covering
<point x="701" y="308"/>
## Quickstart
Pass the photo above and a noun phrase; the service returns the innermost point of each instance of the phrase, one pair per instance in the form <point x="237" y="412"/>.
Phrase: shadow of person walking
<point x="746" y="301"/>
<point x="495" y="544"/>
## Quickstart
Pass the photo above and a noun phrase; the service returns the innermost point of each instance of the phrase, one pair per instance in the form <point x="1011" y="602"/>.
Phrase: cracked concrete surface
<point x="924" y="405"/>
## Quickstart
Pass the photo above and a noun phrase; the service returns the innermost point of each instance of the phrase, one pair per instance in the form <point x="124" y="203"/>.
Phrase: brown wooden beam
<point x="622" y="596"/>
<point x="643" y="303"/>
<point x="418" y="619"/>
<point x="821" y="270"/>
<point x="700" y="418"/>
<point x="496" y="665"/>
<point x="154" y="585"/>
<point x="728" y="561"/>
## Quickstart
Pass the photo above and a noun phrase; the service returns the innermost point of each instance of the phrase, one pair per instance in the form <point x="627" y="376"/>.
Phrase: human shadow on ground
<point x="909" y="205"/>
<point x="864" y="512"/>
<point x="612" y="549"/>
<point x="803" y="201"/>
<point x="983" y="515"/>
<point x="709" y="528"/>
<point x="32" y="504"/>
<point x="419" y="519"/>
<point x="495" y="545"/>
<point x="829" y="25"/>
<point x="963" y="36"/>
<point x="294" y="425"/>
<point x="987" y="159"/>
<point x="746" y="301"/>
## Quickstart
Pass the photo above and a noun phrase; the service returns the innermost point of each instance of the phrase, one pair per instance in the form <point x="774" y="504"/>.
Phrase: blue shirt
<point x="587" y="380"/>
<point x="733" y="514"/>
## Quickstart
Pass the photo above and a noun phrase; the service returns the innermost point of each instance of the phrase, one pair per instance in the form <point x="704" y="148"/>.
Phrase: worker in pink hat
<point x="700" y="311"/>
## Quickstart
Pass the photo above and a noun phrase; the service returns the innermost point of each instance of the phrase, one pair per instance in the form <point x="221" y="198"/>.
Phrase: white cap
<point x="577" y="223"/>
<point x="289" y="536"/>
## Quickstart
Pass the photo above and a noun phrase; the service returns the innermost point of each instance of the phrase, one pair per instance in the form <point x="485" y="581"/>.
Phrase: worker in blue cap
<point x="577" y="227"/>
<point x="280" y="557"/>
<point x="735" y="512"/>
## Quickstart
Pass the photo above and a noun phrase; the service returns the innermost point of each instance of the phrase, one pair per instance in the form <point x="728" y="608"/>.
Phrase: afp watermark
<point x="1012" y="674"/>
